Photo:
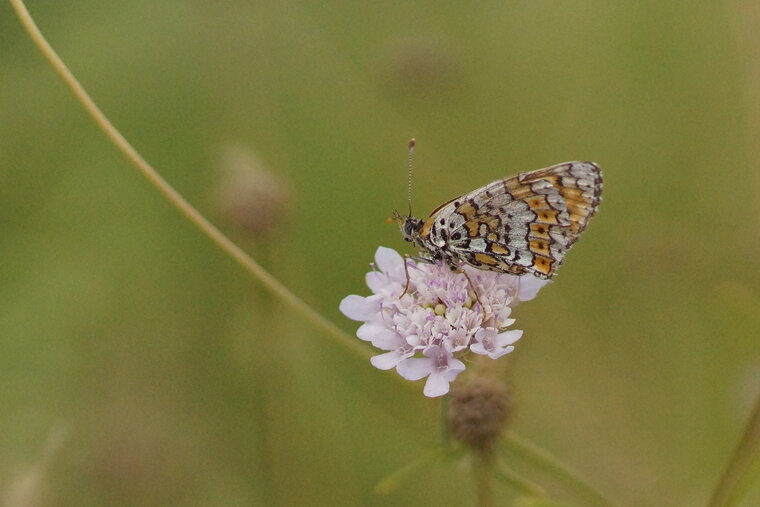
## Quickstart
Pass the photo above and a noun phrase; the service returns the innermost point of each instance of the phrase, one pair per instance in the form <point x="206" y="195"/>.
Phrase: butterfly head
<point x="409" y="226"/>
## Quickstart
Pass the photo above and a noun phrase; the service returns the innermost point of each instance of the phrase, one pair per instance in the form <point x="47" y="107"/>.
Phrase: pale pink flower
<point x="494" y="345"/>
<point x="438" y="319"/>
<point x="439" y="366"/>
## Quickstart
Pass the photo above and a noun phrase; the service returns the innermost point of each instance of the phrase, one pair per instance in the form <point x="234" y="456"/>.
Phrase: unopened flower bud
<point x="250" y="194"/>
<point x="478" y="411"/>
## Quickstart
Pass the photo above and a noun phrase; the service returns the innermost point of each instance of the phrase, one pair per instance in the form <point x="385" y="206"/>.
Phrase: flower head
<point x="440" y="316"/>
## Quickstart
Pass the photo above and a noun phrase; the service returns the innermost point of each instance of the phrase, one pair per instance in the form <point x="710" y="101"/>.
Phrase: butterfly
<point x="518" y="225"/>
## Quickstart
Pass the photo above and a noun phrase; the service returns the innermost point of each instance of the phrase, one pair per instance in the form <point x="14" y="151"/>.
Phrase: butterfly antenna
<point x="409" y="179"/>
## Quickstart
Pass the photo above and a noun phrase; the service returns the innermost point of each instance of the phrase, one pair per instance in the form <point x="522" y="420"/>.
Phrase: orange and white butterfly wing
<point x="521" y="224"/>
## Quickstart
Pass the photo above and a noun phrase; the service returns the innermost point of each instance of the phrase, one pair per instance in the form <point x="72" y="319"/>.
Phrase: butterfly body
<point x="520" y="224"/>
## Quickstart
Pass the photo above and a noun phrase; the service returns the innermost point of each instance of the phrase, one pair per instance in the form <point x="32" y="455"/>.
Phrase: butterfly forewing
<point x="521" y="224"/>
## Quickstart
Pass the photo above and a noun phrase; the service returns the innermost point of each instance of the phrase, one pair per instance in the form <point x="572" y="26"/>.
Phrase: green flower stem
<point x="743" y="469"/>
<point x="516" y="481"/>
<point x="264" y="277"/>
<point x="482" y="469"/>
<point x="443" y="422"/>
<point x="541" y="458"/>
<point x="394" y="480"/>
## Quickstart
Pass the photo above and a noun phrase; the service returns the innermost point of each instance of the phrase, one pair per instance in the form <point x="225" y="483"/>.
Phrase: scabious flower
<point x="438" y="319"/>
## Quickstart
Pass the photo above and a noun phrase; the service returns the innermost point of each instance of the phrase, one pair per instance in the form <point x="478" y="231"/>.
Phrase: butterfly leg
<point x="406" y="271"/>
<point x="416" y="258"/>
<point x="474" y="291"/>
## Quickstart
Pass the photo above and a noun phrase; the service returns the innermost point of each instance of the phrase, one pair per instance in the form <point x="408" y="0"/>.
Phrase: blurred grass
<point x="180" y="382"/>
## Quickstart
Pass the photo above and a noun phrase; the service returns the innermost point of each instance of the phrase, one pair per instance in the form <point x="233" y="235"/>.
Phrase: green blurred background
<point x="166" y="375"/>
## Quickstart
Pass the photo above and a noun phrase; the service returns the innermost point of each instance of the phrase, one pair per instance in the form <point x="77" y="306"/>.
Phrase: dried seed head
<point x="478" y="411"/>
<point x="250" y="194"/>
<point x="419" y="66"/>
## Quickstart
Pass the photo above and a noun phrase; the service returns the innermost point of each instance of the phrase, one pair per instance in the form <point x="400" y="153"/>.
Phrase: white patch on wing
<point x="478" y="245"/>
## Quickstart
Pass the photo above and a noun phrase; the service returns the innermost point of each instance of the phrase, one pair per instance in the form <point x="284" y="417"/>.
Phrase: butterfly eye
<point x="407" y="239"/>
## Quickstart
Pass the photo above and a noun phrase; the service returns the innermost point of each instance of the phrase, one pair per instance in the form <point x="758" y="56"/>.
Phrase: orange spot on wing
<point x="498" y="249"/>
<point x="491" y="222"/>
<point x="468" y="210"/>
<point x="571" y="194"/>
<point x="425" y="230"/>
<point x="518" y="190"/>
<point x="548" y="216"/>
<point x="540" y="231"/>
<point x="577" y="210"/>
<point x="543" y="265"/>
<point x="486" y="259"/>
<point x="539" y="247"/>
<point x="537" y="202"/>
<point x="554" y="180"/>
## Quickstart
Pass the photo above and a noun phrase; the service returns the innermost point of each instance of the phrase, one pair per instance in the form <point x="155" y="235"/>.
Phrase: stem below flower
<point x="482" y="463"/>
<point x="444" y="421"/>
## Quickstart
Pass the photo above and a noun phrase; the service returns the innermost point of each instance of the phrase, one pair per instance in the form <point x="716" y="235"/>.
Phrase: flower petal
<point x="529" y="286"/>
<point x="415" y="368"/>
<point x="455" y="368"/>
<point x="376" y="281"/>
<point x="436" y="385"/>
<point x="388" y="340"/>
<point x="438" y="382"/>
<point x="358" y="308"/>
<point x="498" y="352"/>
<point x="478" y="348"/>
<point x="388" y="360"/>
<point x="508" y="337"/>
<point x="369" y="330"/>
<point x="388" y="260"/>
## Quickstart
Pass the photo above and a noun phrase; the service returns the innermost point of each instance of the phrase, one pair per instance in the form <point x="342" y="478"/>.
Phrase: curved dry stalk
<point x="175" y="198"/>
